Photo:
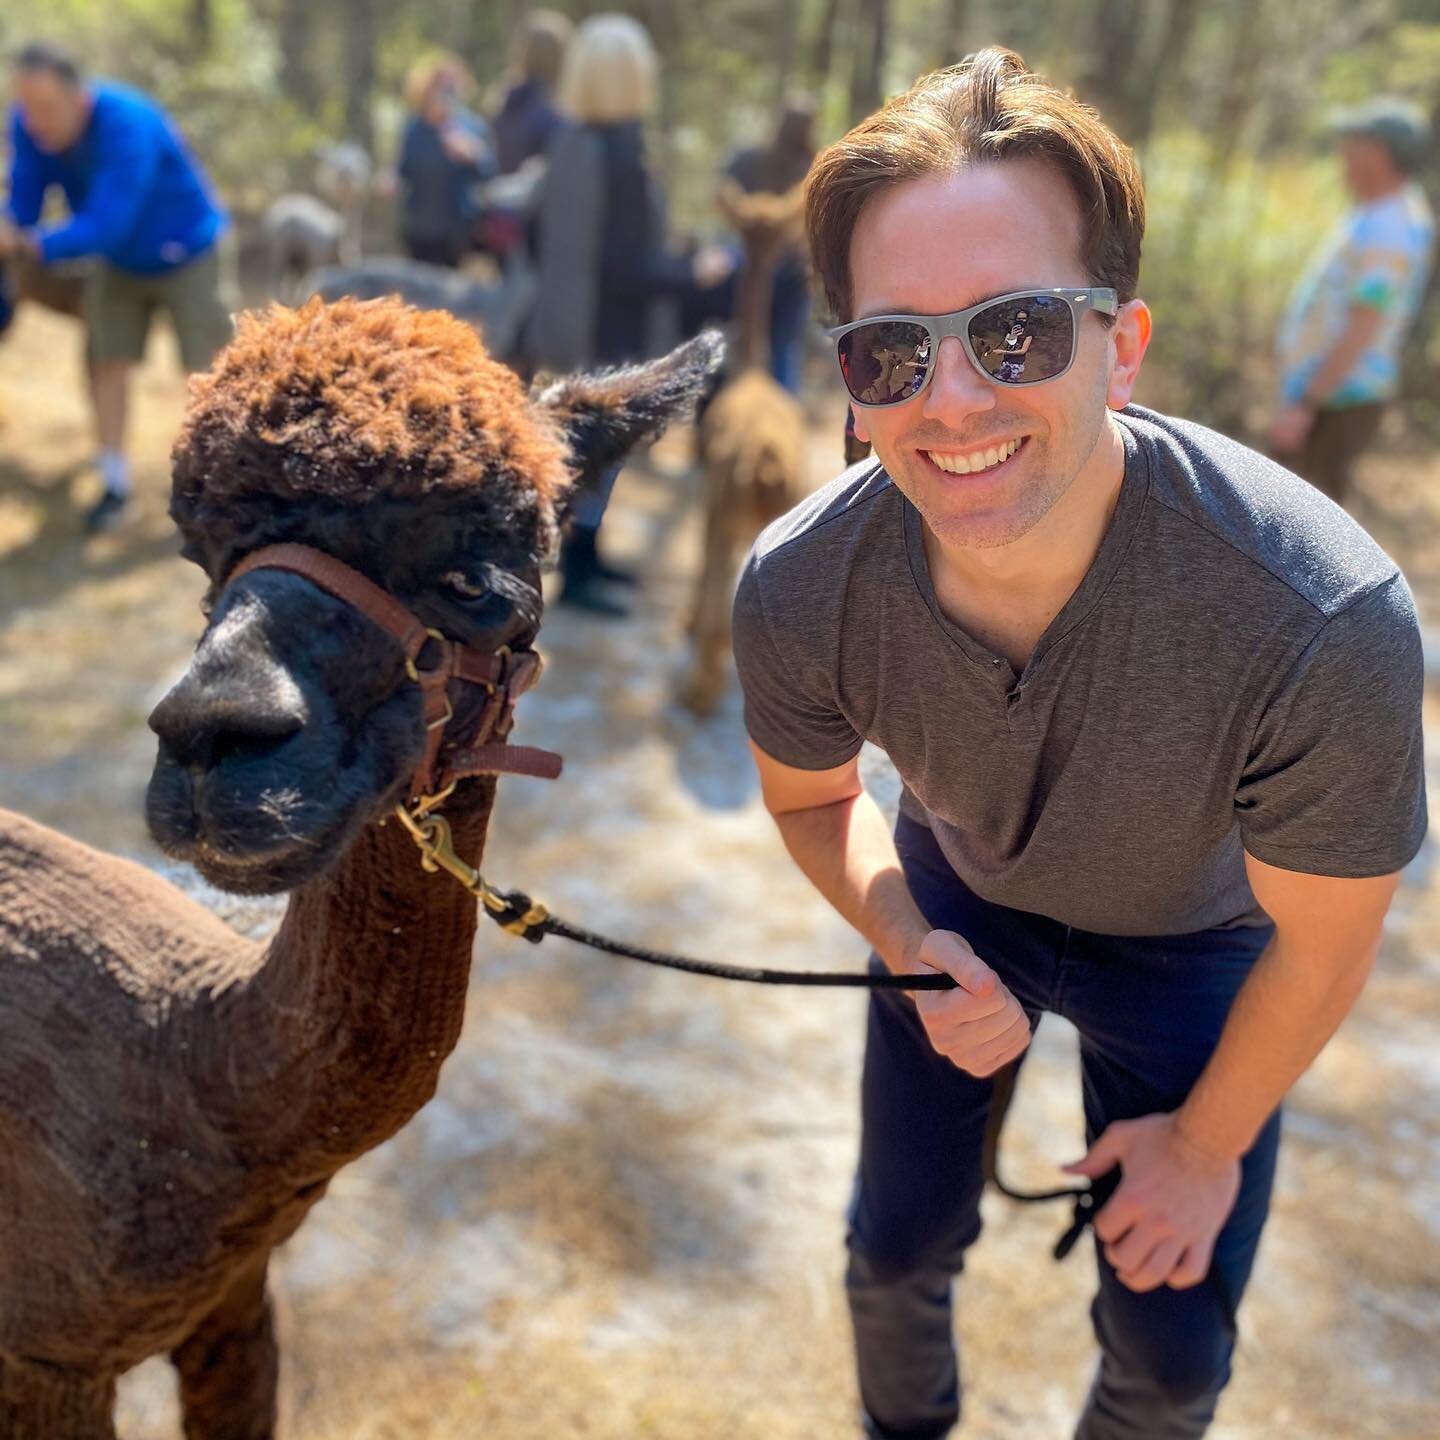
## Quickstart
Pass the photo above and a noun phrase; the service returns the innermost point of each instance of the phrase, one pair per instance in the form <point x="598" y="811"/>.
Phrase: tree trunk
<point x="296" y="32"/>
<point x="867" y="88"/>
<point x="1109" y="75"/>
<point x="202" y="27"/>
<point x="956" y="39"/>
<point x="786" y="28"/>
<point x="361" y="25"/>
<point x="1167" y="61"/>
<point x="822" y="47"/>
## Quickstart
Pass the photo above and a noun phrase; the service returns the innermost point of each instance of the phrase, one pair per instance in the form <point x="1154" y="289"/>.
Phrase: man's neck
<point x="1384" y="192"/>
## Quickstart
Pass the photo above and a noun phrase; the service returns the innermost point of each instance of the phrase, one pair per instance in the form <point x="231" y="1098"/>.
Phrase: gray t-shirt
<point x="1241" y="666"/>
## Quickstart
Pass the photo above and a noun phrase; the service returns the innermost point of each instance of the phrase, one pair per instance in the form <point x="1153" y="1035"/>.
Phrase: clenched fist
<point x="979" y="1025"/>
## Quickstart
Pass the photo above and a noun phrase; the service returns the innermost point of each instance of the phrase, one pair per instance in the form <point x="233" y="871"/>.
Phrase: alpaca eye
<point x="462" y="585"/>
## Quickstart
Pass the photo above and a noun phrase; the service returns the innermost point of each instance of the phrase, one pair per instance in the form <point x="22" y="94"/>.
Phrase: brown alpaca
<point x="751" y="441"/>
<point x="173" y="1098"/>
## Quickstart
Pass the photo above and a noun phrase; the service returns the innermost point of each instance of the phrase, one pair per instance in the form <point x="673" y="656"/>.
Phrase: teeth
<point x="972" y="464"/>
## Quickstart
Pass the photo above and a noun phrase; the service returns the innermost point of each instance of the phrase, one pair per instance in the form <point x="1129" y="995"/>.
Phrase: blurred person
<point x="445" y="152"/>
<point x="527" y="117"/>
<point x="602" y="256"/>
<point x="1350" y="314"/>
<point x="773" y="169"/>
<point x="141" y="206"/>
<point x="1156" y="706"/>
<point x="526" y="121"/>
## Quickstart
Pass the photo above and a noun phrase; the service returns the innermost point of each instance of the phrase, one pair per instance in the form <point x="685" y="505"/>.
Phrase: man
<point x="1352" y="310"/>
<point x="140" y="205"/>
<point x="1156" y="706"/>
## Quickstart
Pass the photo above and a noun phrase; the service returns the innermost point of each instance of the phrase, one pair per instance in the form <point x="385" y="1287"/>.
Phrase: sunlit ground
<point x="621" y="1216"/>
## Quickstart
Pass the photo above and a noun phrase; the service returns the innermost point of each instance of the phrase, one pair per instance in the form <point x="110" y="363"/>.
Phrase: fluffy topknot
<point x="355" y="399"/>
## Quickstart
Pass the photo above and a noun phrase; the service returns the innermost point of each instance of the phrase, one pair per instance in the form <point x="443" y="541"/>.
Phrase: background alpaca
<point x="751" y="440"/>
<point x="303" y="232"/>
<point x="174" y="1099"/>
<point x="497" y="309"/>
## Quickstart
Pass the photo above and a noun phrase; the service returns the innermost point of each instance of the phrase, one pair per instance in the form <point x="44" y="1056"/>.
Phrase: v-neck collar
<point x="1134" y="488"/>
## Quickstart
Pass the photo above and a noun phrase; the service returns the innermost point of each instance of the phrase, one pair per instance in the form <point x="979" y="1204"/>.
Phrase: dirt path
<point x="621" y="1216"/>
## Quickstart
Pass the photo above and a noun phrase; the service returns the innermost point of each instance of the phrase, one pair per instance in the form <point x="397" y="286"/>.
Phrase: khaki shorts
<point x="197" y="296"/>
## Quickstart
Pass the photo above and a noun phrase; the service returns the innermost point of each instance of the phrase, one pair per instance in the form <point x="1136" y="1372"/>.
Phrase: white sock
<point x="115" y="472"/>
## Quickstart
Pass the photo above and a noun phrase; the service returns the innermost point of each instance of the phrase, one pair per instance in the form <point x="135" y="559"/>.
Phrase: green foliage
<point x="1218" y="268"/>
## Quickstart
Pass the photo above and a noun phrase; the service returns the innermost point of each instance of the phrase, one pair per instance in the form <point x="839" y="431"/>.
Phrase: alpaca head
<point x="385" y="437"/>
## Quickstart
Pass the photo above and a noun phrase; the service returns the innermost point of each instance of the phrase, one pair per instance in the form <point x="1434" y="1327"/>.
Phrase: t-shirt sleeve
<point x="1335" y="780"/>
<point x="1381" y="268"/>
<point x="790" y="710"/>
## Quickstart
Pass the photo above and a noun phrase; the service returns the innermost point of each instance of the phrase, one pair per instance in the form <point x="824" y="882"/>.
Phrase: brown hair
<point x="987" y="108"/>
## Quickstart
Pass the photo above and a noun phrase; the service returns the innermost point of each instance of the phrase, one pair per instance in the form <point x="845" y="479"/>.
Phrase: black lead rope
<point x="520" y="915"/>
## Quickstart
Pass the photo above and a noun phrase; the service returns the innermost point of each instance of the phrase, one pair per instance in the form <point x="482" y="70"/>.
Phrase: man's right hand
<point x="979" y="1025"/>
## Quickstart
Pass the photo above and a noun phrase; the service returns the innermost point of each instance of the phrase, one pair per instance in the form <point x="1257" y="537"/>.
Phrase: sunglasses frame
<point x="1101" y="299"/>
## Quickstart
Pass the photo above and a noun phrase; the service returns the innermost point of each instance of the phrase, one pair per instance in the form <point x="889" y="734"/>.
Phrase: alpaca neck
<point x="757" y="279"/>
<point x="361" y="995"/>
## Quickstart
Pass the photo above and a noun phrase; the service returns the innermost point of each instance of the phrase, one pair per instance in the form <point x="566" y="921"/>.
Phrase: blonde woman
<point x="601" y="245"/>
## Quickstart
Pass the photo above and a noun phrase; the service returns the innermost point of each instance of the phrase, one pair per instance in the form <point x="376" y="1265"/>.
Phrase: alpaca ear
<point x="605" y="414"/>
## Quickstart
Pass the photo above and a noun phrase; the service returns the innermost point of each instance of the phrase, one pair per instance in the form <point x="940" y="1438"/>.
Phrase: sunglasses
<point x="1024" y="338"/>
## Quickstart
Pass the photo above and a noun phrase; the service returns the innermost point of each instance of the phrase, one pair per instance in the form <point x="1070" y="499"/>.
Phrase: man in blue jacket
<point x="141" y="208"/>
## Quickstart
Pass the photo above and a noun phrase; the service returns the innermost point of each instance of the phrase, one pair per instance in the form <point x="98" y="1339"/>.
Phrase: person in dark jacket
<point x="140" y="206"/>
<point x="602" y="257"/>
<point x="773" y="169"/>
<point x="528" y="118"/>
<point x="445" y="152"/>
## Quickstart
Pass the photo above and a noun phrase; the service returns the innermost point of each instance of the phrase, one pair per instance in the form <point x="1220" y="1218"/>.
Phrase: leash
<point x="518" y="914"/>
<point x="435" y="664"/>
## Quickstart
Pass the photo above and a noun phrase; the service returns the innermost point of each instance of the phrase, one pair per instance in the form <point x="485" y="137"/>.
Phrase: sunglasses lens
<point x="1023" y="340"/>
<point x="886" y="362"/>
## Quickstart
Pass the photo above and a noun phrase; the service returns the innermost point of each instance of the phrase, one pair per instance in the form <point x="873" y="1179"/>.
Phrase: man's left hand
<point x="1159" y="1226"/>
<point x="1290" y="429"/>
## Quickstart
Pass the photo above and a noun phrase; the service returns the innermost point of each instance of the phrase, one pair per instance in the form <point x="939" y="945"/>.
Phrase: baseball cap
<point x="1400" y="126"/>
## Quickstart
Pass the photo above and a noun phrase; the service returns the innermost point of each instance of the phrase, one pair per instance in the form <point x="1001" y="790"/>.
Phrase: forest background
<point x="1225" y="101"/>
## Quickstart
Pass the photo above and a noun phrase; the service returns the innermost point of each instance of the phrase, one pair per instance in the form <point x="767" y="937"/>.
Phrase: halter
<point x="434" y="663"/>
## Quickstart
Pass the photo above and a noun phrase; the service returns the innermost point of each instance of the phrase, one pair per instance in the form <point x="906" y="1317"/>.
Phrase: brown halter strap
<point x="506" y="674"/>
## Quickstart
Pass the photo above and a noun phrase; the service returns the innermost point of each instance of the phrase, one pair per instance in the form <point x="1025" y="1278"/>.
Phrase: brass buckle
<point x="410" y="667"/>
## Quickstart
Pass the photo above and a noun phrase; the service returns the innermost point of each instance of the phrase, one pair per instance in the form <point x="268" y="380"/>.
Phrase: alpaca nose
<point x="213" y="714"/>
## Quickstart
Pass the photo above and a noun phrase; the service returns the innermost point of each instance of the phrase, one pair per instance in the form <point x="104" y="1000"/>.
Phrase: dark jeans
<point x="1149" y="1012"/>
<point x="1336" y="441"/>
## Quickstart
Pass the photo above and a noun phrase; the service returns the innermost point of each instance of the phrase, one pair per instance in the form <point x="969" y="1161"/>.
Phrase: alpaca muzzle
<point x="435" y="663"/>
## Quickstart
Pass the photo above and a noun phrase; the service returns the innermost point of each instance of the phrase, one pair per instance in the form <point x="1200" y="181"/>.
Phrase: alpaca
<point x="751" y="442"/>
<point x="174" y="1098"/>
<point x="302" y="233"/>
<point x="497" y="310"/>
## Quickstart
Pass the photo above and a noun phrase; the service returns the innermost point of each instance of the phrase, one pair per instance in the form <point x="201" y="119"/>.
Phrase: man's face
<point x="1368" y="167"/>
<point x="945" y="242"/>
<point x="52" y="111"/>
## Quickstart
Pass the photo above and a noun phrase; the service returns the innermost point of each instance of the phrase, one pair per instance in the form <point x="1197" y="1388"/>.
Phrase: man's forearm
<point x="847" y="853"/>
<point x="1285" y="1012"/>
<point x="1359" y="334"/>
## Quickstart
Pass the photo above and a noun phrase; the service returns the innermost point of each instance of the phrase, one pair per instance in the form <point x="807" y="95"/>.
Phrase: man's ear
<point x="1130" y="335"/>
<point x="604" y="415"/>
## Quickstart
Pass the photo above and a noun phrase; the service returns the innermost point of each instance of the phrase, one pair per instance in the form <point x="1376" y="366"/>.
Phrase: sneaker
<point x="106" y="513"/>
